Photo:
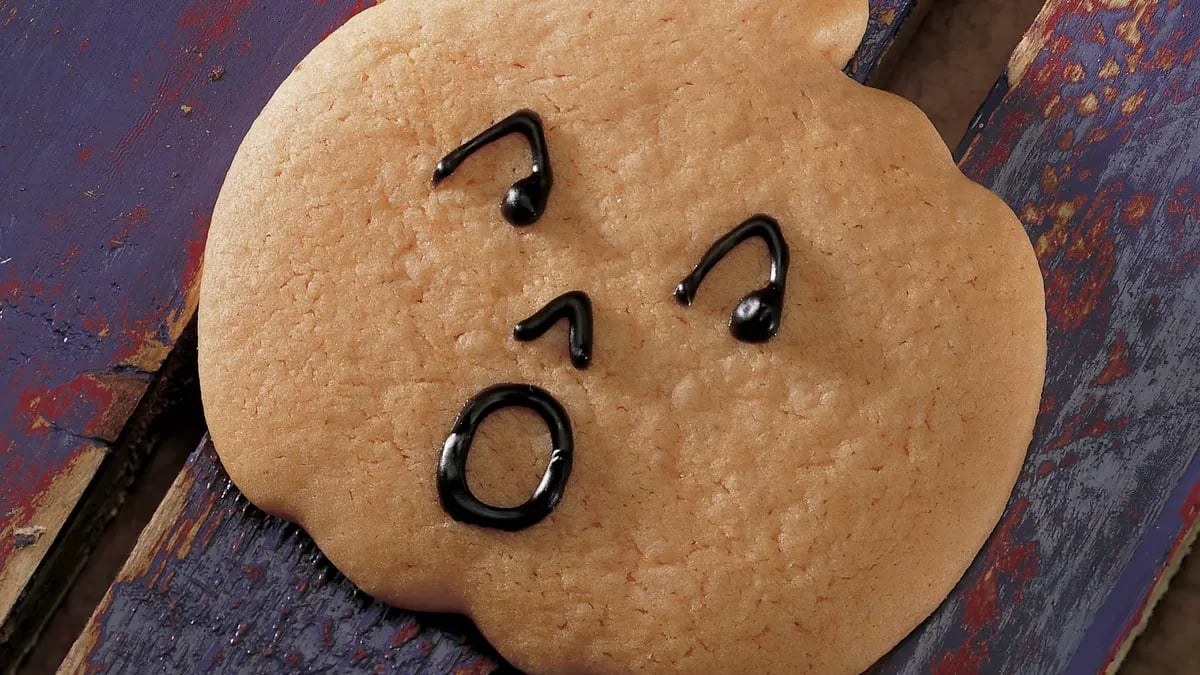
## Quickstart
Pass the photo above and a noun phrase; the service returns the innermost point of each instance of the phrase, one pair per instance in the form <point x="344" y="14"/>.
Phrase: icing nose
<point x="576" y="308"/>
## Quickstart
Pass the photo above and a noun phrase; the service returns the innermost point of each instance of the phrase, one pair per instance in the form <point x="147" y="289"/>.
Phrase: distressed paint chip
<point x="27" y="536"/>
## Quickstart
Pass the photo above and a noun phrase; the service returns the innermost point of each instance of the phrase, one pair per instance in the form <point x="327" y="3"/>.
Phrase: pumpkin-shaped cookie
<point x="778" y="360"/>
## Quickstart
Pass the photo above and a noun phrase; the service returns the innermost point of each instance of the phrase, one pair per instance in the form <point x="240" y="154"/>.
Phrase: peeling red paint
<point x="1008" y="565"/>
<point x="1089" y="421"/>
<point x="212" y="25"/>
<point x="195" y="253"/>
<point x="1103" y="321"/>
<point x="327" y="632"/>
<point x="980" y="605"/>
<point x="1081" y="261"/>
<point x="406" y="633"/>
<point x="97" y="405"/>
<point x="966" y="659"/>
<point x="141" y="348"/>
<point x="1137" y="208"/>
<point x="206" y="24"/>
<point x="10" y="289"/>
<point x="26" y="480"/>
<point x="1118" y="362"/>
<point x="137" y="216"/>
<point x="1190" y="511"/>
<point x="345" y="15"/>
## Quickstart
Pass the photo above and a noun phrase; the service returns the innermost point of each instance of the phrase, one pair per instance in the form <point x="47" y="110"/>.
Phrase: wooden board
<point x="116" y="126"/>
<point x="889" y="24"/>
<point x="1092" y="140"/>
<point x="275" y="604"/>
<point x="237" y="590"/>
<point x="116" y="123"/>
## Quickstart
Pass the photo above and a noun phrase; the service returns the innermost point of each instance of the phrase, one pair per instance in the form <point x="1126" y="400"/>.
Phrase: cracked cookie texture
<point x="793" y="506"/>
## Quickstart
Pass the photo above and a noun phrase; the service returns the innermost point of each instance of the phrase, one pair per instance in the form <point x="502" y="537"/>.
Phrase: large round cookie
<point x="794" y="505"/>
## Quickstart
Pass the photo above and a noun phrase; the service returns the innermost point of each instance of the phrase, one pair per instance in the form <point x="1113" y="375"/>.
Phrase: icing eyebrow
<point x="576" y="308"/>
<point x="757" y="315"/>
<point x="525" y="200"/>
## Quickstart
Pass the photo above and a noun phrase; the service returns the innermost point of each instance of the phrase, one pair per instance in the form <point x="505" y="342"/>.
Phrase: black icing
<point x="525" y="201"/>
<point x="454" y="493"/>
<point x="757" y="315"/>
<point x="576" y="308"/>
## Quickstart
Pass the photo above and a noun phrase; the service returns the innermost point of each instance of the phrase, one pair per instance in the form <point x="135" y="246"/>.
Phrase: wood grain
<point x="238" y="591"/>
<point x="105" y="189"/>
<point x="1094" y="145"/>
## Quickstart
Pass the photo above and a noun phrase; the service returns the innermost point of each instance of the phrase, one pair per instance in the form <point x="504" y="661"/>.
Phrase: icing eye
<point x="757" y="315"/>
<point x="454" y="493"/>
<point x="525" y="201"/>
<point x="576" y="308"/>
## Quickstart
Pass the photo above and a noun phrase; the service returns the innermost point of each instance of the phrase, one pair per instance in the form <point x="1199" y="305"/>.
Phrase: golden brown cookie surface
<point x="797" y="505"/>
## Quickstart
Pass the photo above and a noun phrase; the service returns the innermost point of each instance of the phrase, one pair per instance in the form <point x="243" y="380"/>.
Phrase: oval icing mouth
<point x="454" y="493"/>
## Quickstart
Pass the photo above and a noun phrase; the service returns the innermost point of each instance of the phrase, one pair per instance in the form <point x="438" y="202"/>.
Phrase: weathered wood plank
<point x="106" y="181"/>
<point x="889" y="23"/>
<point x="1094" y="143"/>
<point x="276" y="604"/>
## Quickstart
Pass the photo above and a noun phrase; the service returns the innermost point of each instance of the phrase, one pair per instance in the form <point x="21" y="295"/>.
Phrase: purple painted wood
<point x="215" y="585"/>
<point x="1096" y="144"/>
<point x="887" y="19"/>
<point x="117" y="121"/>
